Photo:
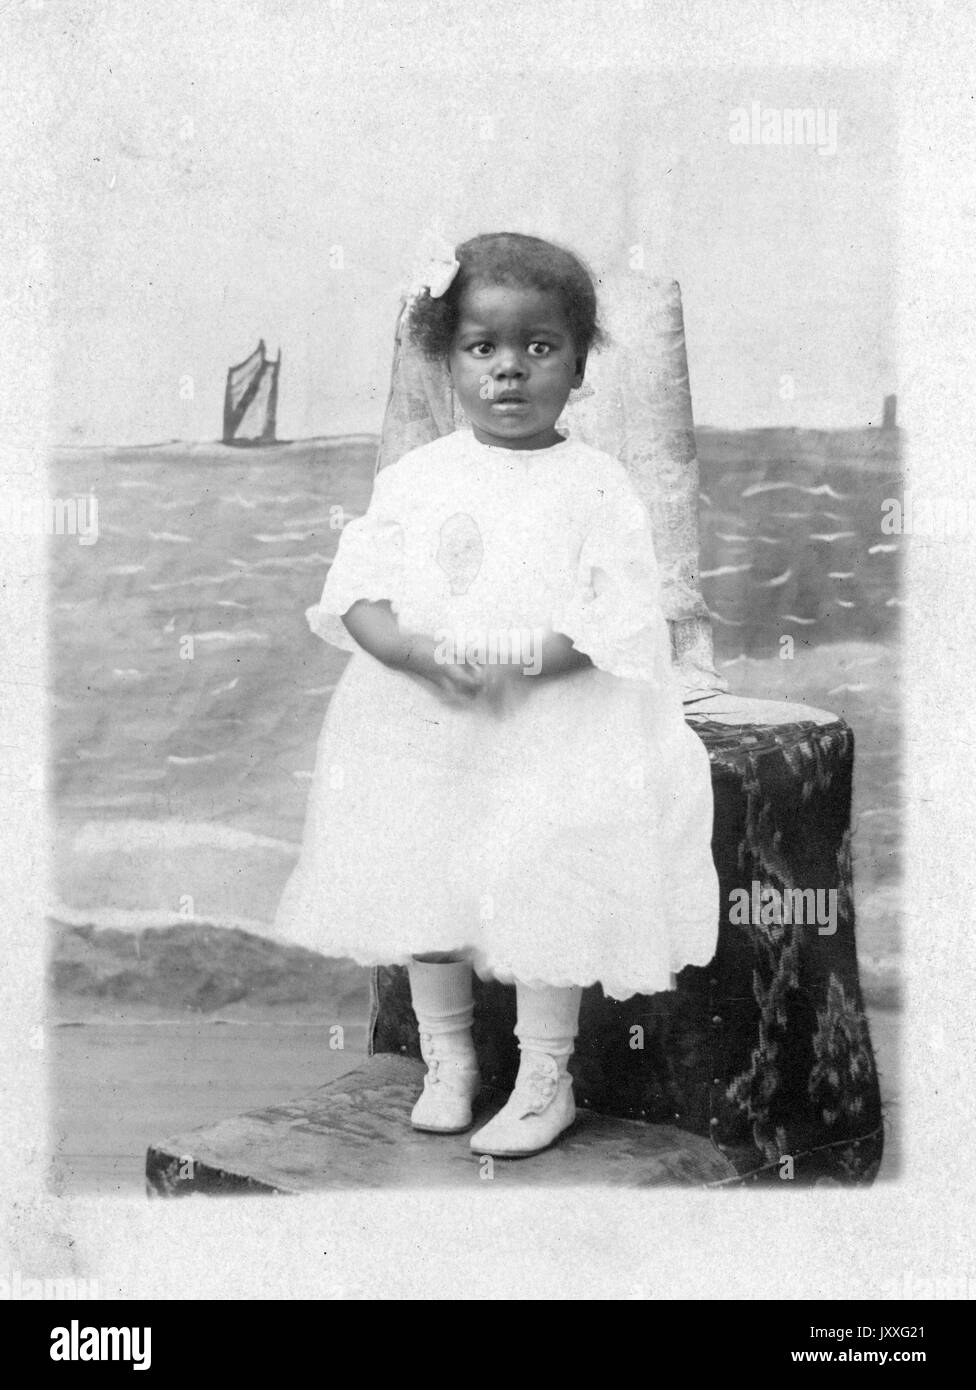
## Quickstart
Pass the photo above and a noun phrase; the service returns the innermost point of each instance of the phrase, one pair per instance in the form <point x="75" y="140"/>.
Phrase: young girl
<point x="505" y="780"/>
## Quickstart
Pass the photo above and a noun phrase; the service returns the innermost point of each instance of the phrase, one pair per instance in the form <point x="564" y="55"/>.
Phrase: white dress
<point x="560" y="829"/>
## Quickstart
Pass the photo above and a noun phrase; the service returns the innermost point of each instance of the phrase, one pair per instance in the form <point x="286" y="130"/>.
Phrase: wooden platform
<point x="115" y="1085"/>
<point x="355" y="1132"/>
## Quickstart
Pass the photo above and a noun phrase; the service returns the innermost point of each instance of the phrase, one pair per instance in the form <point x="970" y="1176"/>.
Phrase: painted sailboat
<point x="251" y="399"/>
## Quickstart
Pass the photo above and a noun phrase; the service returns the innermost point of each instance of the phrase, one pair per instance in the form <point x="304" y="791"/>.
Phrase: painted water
<point x="189" y="693"/>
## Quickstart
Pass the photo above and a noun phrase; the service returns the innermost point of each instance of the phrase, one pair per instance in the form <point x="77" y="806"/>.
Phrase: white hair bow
<point x="437" y="276"/>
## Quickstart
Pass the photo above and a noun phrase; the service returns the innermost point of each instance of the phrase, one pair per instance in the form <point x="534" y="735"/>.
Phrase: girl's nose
<point x="509" y="365"/>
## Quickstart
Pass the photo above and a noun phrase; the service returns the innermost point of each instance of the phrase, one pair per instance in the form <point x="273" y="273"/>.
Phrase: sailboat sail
<point x="251" y="399"/>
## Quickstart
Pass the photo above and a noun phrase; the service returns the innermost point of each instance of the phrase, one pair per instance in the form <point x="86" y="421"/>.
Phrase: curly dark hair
<point x="509" y="258"/>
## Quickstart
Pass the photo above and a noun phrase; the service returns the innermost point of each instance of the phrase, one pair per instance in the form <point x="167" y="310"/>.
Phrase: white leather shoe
<point x="450" y="1086"/>
<point x="539" y="1109"/>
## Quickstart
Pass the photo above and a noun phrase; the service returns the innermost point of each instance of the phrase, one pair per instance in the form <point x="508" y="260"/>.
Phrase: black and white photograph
<point x="464" y="480"/>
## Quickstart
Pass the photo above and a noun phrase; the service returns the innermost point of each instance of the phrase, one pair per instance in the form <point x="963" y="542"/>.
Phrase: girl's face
<point x="513" y="363"/>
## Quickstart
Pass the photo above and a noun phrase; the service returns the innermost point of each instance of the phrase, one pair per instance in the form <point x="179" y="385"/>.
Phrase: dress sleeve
<point x="614" y="612"/>
<point x="368" y="565"/>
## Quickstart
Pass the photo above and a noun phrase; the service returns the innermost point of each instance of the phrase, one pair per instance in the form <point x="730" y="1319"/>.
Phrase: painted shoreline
<point x="180" y="785"/>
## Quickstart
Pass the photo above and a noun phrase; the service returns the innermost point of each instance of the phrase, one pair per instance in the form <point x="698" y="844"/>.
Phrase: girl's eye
<point x="480" y="349"/>
<point x="540" y="349"/>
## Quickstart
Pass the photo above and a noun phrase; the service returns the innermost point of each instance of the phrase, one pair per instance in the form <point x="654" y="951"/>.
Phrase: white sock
<point x="548" y="1019"/>
<point x="443" y="1001"/>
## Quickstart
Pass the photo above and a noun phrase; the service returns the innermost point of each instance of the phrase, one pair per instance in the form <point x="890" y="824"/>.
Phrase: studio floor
<point x="117" y="1087"/>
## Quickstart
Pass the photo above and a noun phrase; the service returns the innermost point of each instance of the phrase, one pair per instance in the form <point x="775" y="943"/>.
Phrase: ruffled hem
<point x="616" y="982"/>
<point x="486" y="967"/>
<point x="368" y="566"/>
<point x="325" y="618"/>
<point x="631" y="650"/>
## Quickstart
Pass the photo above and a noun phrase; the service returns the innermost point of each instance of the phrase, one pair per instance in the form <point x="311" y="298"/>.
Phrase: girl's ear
<point x="580" y="370"/>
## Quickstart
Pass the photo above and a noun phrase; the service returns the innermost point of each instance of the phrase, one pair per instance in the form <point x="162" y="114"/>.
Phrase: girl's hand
<point x="375" y="627"/>
<point x="458" y="682"/>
